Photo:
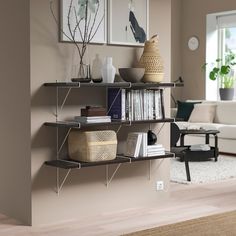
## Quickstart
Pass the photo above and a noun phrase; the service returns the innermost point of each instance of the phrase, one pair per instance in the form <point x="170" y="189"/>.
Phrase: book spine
<point x="116" y="103"/>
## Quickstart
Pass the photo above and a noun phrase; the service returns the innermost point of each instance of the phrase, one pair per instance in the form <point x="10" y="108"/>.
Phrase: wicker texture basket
<point x="92" y="146"/>
<point x="152" y="61"/>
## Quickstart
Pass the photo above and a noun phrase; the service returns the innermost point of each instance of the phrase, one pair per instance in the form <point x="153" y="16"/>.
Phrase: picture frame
<point x="100" y="36"/>
<point x="130" y="25"/>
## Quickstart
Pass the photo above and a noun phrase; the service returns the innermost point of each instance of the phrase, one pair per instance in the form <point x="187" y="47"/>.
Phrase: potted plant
<point x="223" y="70"/>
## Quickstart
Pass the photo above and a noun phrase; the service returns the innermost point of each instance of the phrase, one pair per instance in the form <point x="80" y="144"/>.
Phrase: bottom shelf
<point x="71" y="164"/>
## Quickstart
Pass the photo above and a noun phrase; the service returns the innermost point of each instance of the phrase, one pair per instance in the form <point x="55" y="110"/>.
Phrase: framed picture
<point x="73" y="15"/>
<point x="128" y="22"/>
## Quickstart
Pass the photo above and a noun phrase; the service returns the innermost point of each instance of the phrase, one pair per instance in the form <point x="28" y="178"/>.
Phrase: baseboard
<point x="228" y="154"/>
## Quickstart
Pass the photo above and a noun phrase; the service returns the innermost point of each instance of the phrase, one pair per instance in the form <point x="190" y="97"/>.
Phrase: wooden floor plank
<point x="193" y="201"/>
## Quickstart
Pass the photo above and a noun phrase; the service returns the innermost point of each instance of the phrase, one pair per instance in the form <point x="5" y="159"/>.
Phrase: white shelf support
<point x="60" y="185"/>
<point x="109" y="179"/>
<point x="64" y="141"/>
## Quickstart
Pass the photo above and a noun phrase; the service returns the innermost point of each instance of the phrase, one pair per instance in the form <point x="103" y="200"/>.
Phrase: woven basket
<point x="92" y="146"/>
<point x="152" y="61"/>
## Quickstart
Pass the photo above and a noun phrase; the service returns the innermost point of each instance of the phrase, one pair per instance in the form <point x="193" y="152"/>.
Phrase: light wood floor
<point x="186" y="202"/>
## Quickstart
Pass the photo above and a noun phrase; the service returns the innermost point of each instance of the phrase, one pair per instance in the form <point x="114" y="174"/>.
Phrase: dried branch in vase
<point x="83" y="23"/>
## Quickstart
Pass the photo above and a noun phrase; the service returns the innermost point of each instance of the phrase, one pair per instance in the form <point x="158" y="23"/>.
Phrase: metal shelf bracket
<point x="109" y="179"/>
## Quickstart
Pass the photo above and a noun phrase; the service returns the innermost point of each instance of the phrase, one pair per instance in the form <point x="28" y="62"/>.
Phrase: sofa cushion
<point x="184" y="109"/>
<point x="226" y="112"/>
<point x="227" y="132"/>
<point x="203" y="113"/>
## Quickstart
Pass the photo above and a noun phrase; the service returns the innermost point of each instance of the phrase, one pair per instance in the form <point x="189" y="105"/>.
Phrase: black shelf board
<point x="71" y="164"/>
<point x="112" y="85"/>
<point x="69" y="124"/>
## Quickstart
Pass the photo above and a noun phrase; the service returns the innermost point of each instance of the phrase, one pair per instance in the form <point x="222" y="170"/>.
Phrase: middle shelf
<point x="78" y="125"/>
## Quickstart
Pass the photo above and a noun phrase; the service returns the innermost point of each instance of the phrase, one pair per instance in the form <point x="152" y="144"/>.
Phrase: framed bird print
<point x="128" y="22"/>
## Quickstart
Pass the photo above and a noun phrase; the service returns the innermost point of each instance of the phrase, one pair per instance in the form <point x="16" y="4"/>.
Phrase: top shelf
<point x="112" y="85"/>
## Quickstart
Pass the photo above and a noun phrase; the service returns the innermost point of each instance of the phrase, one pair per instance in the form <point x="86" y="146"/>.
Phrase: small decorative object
<point x="96" y="73"/>
<point x="93" y="111"/>
<point x="152" y="138"/>
<point x="152" y="61"/>
<point x="108" y="71"/>
<point x="128" y="22"/>
<point x="81" y="23"/>
<point x="133" y="75"/>
<point x="193" y="43"/>
<point x="223" y="70"/>
<point x="92" y="146"/>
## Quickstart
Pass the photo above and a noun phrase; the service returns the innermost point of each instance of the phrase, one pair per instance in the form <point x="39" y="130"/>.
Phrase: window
<point x="221" y="40"/>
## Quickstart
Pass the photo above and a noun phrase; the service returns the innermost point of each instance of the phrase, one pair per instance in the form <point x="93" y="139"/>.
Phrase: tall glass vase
<point x="81" y="71"/>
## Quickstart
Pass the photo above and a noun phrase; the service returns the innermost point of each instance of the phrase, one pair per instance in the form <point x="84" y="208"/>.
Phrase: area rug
<point x="204" y="171"/>
<point x="215" y="225"/>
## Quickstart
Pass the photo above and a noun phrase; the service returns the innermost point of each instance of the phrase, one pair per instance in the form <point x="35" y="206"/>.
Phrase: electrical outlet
<point x="159" y="185"/>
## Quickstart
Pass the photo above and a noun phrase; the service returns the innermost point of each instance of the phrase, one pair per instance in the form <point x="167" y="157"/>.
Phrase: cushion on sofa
<point x="204" y="113"/>
<point x="226" y="112"/>
<point x="185" y="109"/>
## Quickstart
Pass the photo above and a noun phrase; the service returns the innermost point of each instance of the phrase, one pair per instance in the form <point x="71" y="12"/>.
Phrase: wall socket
<point x="159" y="185"/>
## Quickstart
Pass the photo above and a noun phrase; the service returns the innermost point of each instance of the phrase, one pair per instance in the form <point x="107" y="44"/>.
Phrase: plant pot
<point x="226" y="94"/>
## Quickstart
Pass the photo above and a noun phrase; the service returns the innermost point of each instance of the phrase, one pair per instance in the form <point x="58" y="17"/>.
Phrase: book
<point x="133" y="144"/>
<point x="116" y="103"/>
<point x="156" y="154"/>
<point x="143" y="148"/>
<point x="92" y="119"/>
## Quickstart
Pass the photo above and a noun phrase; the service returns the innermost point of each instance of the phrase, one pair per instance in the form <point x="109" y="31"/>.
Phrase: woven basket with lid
<point x="92" y="146"/>
<point x="152" y="61"/>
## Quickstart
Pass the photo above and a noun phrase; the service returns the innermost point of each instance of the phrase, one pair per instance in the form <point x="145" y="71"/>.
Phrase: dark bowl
<point x="133" y="75"/>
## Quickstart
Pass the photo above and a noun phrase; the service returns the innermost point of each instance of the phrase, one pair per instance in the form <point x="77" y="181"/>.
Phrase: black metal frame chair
<point x="180" y="151"/>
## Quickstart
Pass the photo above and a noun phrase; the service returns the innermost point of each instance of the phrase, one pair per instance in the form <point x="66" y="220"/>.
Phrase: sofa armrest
<point x="173" y="112"/>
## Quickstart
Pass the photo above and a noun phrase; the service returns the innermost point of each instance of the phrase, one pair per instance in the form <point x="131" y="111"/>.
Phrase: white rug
<point x="204" y="171"/>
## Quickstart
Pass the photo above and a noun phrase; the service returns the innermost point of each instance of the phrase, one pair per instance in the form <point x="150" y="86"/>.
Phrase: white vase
<point x="108" y="71"/>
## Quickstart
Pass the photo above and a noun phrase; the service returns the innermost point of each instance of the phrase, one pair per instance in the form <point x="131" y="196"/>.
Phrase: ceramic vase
<point x="96" y="72"/>
<point x="152" y="62"/>
<point x="108" y="71"/>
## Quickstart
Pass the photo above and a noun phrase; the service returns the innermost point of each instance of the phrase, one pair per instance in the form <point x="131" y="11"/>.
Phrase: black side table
<point x="213" y="153"/>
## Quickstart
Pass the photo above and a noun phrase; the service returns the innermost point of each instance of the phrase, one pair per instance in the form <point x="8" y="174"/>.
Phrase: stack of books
<point x="92" y="119"/>
<point x="137" y="146"/>
<point x="155" y="150"/>
<point x="145" y="104"/>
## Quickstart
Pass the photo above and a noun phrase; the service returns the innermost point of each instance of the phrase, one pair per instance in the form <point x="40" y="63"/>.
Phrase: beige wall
<point x="176" y="49"/>
<point x="84" y="192"/>
<point x="15" y="181"/>
<point x="194" y="23"/>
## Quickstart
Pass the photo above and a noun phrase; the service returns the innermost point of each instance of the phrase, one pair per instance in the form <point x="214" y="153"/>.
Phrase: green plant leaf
<point x="225" y="70"/>
<point x="216" y="70"/>
<point x="218" y="59"/>
<point x="213" y="75"/>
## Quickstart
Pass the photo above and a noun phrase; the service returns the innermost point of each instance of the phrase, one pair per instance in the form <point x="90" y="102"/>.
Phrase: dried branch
<point x="70" y="30"/>
<point x="94" y="20"/>
<point x="57" y="22"/>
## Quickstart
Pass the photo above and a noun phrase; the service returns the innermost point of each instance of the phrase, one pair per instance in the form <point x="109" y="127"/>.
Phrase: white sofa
<point x="224" y="121"/>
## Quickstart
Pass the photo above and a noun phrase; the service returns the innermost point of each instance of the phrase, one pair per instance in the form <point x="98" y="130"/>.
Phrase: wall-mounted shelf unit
<point x="67" y="164"/>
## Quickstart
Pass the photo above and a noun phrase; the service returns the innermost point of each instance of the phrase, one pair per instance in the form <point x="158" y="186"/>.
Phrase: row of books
<point x="126" y="104"/>
<point x="137" y="146"/>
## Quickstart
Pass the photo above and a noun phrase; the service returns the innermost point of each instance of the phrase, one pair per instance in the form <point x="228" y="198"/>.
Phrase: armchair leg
<point x="187" y="168"/>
